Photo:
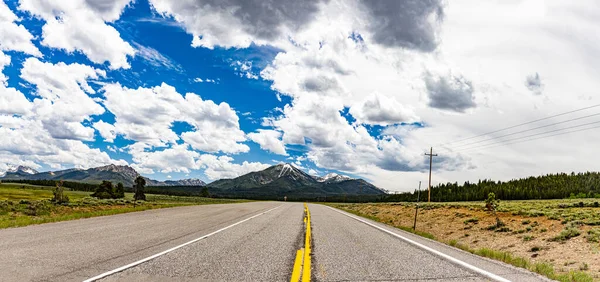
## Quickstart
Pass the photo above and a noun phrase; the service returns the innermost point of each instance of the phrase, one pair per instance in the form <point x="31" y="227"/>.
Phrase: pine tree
<point x="139" y="195"/>
<point x="119" y="191"/>
<point x="104" y="190"/>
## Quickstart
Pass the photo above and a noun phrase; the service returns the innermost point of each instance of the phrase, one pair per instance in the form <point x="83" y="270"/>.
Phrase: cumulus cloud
<point x="269" y="140"/>
<point x="80" y="25"/>
<point x="405" y="23"/>
<point x="25" y="139"/>
<point x="381" y="110"/>
<point x="64" y="102"/>
<point x="106" y="130"/>
<point x="237" y="23"/>
<point x="175" y="159"/>
<point x="534" y="83"/>
<point x="147" y="114"/>
<point x="222" y="167"/>
<point x="13" y="36"/>
<point x="449" y="92"/>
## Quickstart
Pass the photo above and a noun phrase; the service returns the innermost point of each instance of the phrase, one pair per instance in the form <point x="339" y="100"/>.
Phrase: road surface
<point x="234" y="242"/>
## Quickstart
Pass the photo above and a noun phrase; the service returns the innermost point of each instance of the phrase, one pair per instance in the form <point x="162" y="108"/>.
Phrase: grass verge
<point x="22" y="206"/>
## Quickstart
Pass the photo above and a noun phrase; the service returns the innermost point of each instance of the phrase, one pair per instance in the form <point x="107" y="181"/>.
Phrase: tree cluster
<point x="550" y="186"/>
<point x="73" y="186"/>
<point x="106" y="190"/>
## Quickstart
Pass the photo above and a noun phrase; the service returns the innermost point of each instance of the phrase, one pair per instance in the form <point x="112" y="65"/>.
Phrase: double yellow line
<point x="302" y="262"/>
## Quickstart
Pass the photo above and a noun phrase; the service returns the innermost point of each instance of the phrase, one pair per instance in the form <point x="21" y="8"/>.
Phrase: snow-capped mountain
<point x="333" y="177"/>
<point x="18" y="171"/>
<point x="22" y="169"/>
<point x="287" y="180"/>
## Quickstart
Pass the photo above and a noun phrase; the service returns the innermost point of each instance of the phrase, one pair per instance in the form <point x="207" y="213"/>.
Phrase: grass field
<point x="22" y="204"/>
<point x="556" y="238"/>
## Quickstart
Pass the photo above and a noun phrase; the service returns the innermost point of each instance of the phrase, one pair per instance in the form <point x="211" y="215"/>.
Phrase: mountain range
<point x="274" y="182"/>
<point x="113" y="173"/>
<point x="287" y="180"/>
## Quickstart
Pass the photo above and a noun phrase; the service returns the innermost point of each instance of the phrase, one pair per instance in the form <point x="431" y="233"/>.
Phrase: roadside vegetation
<point x="559" y="239"/>
<point x="24" y="204"/>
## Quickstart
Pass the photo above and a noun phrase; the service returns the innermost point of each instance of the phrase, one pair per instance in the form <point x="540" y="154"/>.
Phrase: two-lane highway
<point x="236" y="242"/>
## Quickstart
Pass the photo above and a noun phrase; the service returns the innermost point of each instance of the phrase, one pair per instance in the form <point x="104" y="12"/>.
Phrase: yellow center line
<point x="302" y="261"/>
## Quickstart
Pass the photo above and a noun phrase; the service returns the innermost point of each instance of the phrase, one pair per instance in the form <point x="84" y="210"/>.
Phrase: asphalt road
<point x="235" y="242"/>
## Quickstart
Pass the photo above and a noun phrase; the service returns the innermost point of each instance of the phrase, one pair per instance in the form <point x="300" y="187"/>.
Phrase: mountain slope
<point x="20" y="171"/>
<point x="287" y="180"/>
<point x="113" y="173"/>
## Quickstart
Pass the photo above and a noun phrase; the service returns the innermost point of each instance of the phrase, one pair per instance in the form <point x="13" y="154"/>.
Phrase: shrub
<point x="59" y="194"/>
<point x="491" y="204"/>
<point x="473" y="220"/>
<point x="526" y="221"/>
<point x="593" y="235"/>
<point x="566" y="234"/>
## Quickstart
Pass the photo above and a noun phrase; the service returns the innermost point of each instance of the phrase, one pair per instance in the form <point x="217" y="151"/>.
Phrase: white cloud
<point x="13" y="36"/>
<point x="80" y="25"/>
<point x="64" y="102"/>
<point x="381" y="110"/>
<point x="269" y="140"/>
<point x="106" y="130"/>
<point x="207" y="80"/>
<point x="147" y="115"/>
<point x="244" y="69"/>
<point x="175" y="159"/>
<point x="12" y="101"/>
<point x="27" y="140"/>
<point x="222" y="167"/>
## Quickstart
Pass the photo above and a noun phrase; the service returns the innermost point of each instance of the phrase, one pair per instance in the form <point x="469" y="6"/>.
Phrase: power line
<point x="523" y="131"/>
<point x="542" y="137"/>
<point x="527" y="136"/>
<point x="521" y="124"/>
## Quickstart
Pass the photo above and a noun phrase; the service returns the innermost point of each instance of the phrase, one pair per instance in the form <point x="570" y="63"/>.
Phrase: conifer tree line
<point x="73" y="186"/>
<point x="550" y="186"/>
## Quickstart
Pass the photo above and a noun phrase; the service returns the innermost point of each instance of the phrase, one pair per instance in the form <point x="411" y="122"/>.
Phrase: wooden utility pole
<point x="417" y="206"/>
<point x="431" y="155"/>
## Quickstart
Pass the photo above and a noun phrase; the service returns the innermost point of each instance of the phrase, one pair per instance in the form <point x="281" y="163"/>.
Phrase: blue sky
<point x="215" y="89"/>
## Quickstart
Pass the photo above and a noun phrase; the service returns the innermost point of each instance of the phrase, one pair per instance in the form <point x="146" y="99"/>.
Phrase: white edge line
<point x="171" y="249"/>
<point x="436" y="252"/>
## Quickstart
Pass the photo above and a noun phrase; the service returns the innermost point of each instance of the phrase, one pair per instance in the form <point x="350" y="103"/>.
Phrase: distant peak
<point x="125" y="169"/>
<point x="23" y="169"/>
<point x="334" y="177"/>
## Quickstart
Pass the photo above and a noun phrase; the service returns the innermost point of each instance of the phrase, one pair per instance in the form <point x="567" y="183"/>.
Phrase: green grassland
<point x="23" y="204"/>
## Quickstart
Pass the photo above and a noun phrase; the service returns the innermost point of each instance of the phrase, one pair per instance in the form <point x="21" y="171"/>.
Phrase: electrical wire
<point x="518" y="125"/>
<point x="526" y="130"/>
<point x="532" y="135"/>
